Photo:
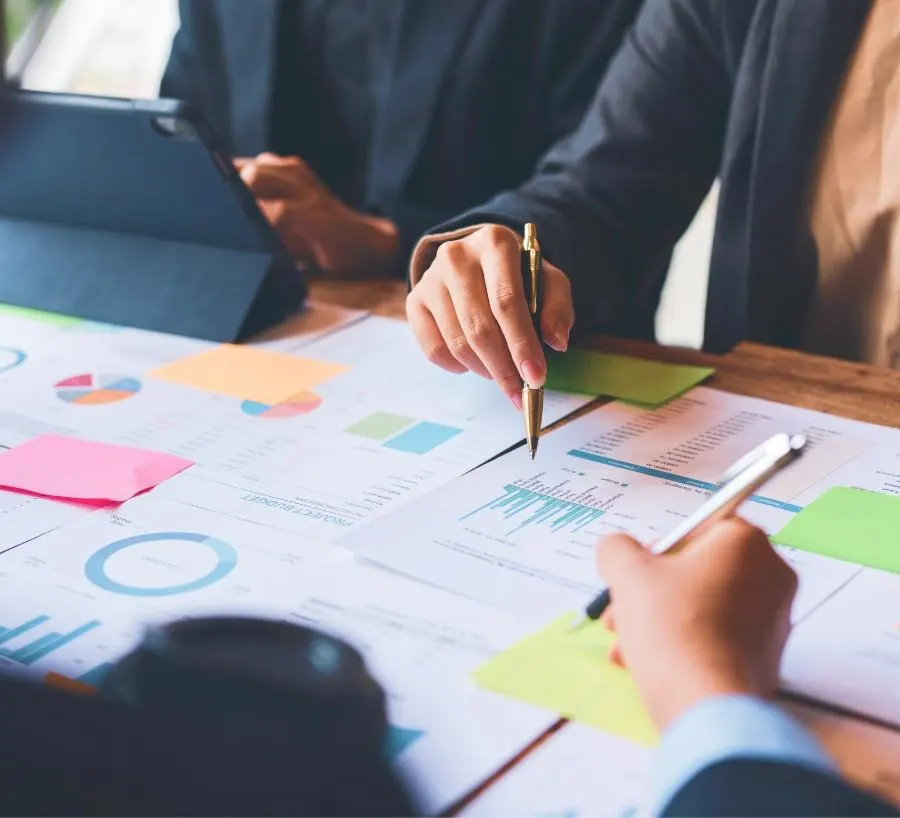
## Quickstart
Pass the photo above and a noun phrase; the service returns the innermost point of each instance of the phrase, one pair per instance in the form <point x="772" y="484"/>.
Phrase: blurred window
<point x="25" y="24"/>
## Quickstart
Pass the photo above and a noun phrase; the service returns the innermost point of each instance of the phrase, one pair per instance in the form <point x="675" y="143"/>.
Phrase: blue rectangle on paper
<point x="422" y="438"/>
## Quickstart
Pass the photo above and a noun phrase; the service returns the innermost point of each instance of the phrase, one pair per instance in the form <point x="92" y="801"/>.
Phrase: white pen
<point x="738" y="484"/>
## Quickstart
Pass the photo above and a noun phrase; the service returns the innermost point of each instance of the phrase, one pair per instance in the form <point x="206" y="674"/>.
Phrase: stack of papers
<point x="145" y="477"/>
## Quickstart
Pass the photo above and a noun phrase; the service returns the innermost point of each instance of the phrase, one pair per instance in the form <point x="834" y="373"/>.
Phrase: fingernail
<point x="516" y="399"/>
<point x="559" y="340"/>
<point x="532" y="374"/>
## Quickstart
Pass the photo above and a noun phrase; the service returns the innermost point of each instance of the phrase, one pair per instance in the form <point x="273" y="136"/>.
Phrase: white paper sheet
<point x="521" y="535"/>
<point x="101" y="580"/>
<point x="579" y="772"/>
<point x="847" y="652"/>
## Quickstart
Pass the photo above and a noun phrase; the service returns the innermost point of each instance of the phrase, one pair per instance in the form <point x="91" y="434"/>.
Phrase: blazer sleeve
<point x="195" y="72"/>
<point x="753" y="787"/>
<point x="612" y="198"/>
<point x="578" y="43"/>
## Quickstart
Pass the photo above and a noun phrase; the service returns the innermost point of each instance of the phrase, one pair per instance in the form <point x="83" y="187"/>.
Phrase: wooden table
<point x="850" y="390"/>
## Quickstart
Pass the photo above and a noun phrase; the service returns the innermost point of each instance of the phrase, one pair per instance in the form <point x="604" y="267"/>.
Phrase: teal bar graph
<point x="527" y="508"/>
<point x="43" y="645"/>
<point x="11" y="633"/>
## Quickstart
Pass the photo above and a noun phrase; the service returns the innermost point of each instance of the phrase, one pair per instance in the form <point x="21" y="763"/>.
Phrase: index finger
<point x="502" y="267"/>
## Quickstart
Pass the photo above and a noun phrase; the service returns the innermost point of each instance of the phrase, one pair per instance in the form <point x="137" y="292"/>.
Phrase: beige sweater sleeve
<point x="425" y="251"/>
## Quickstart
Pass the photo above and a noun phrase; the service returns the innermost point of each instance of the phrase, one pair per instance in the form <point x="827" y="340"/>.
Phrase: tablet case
<point x="125" y="212"/>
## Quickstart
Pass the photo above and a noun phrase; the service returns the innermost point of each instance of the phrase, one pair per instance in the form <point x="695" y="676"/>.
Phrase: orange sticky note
<point x="249" y="373"/>
<point x="69" y="469"/>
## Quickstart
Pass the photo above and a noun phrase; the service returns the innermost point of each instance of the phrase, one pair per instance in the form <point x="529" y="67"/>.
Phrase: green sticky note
<point x="38" y="315"/>
<point x="569" y="672"/>
<point x="621" y="376"/>
<point x="853" y="525"/>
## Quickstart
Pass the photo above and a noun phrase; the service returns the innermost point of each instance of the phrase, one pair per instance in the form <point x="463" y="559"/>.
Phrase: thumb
<point x="558" y="314"/>
<point x="620" y="560"/>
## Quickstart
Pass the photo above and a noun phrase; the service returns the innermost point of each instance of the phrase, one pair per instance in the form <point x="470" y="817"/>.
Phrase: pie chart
<point x="94" y="389"/>
<point x="301" y="404"/>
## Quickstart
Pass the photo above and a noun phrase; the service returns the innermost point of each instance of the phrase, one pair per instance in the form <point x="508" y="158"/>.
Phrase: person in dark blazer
<point x="790" y="103"/>
<point x="360" y="123"/>
<point x="702" y="633"/>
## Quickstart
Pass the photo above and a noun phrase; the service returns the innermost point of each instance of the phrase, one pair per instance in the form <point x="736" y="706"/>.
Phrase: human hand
<point x="710" y="620"/>
<point x="315" y="226"/>
<point x="469" y="311"/>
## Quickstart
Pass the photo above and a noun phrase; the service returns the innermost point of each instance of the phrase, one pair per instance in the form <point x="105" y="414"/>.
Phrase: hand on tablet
<point x="316" y="227"/>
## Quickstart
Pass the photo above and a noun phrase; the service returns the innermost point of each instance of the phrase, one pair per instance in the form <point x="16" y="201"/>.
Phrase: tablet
<point x="129" y="212"/>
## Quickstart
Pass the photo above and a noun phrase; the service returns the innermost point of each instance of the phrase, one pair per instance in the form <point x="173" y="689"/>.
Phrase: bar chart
<point x="41" y="646"/>
<point x="531" y="503"/>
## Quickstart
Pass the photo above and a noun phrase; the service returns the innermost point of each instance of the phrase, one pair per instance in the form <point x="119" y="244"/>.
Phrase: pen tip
<point x="533" y="453"/>
<point x="579" y="624"/>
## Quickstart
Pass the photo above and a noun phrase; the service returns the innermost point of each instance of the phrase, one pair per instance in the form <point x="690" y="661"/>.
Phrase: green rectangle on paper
<point x="53" y="318"/>
<point x="380" y="426"/>
<point x="620" y="376"/>
<point x="847" y="524"/>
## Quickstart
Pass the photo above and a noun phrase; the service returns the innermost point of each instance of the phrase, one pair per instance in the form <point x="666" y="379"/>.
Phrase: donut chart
<point x="10" y="358"/>
<point x="97" y="389"/>
<point x="226" y="560"/>
<point x="301" y="404"/>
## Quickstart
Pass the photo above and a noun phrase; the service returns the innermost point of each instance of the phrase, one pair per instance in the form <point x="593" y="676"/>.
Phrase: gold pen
<point x="532" y="275"/>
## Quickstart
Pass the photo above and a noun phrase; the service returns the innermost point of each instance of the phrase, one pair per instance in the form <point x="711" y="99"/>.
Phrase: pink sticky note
<point x="66" y="468"/>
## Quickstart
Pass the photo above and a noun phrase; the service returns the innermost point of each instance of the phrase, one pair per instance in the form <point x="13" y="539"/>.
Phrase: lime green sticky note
<point x="53" y="318"/>
<point x="847" y="524"/>
<point x="621" y="376"/>
<point x="569" y="672"/>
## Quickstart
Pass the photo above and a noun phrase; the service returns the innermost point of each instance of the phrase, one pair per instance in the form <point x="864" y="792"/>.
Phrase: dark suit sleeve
<point x="612" y="199"/>
<point x="578" y="42"/>
<point x="195" y="72"/>
<point x="581" y="40"/>
<point x="758" y="788"/>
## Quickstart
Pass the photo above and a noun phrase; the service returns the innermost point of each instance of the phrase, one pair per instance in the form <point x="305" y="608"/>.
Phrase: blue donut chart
<point x="95" y="567"/>
<point x="18" y="358"/>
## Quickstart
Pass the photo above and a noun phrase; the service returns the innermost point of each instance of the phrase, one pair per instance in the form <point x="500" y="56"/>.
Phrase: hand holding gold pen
<point x="532" y="277"/>
<point x="738" y="484"/>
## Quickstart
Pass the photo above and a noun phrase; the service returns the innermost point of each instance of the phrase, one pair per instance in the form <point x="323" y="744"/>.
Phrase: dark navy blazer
<point x="480" y="89"/>
<point x="739" y="89"/>
<point x="758" y="788"/>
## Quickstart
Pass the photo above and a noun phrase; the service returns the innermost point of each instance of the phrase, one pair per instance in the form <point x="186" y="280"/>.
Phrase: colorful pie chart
<point x="93" y="389"/>
<point x="301" y="404"/>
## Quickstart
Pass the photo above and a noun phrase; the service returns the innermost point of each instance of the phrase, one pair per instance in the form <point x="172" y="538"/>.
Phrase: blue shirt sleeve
<point x="728" y="727"/>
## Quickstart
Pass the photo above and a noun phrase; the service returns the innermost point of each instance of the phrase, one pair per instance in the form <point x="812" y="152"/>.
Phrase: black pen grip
<point x="598" y="605"/>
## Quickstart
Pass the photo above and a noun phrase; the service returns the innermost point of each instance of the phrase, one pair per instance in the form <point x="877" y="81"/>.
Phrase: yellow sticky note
<point x="249" y="373"/>
<point x="569" y="672"/>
